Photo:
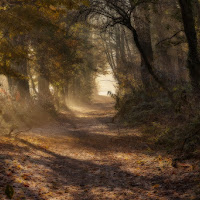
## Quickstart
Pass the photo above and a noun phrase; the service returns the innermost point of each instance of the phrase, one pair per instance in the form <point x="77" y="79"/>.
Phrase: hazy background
<point x="106" y="83"/>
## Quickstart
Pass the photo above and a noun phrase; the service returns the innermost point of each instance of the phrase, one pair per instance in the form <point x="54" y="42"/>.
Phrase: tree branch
<point x="169" y="38"/>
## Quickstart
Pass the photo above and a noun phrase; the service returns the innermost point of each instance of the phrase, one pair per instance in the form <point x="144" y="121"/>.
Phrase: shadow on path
<point x="86" y="176"/>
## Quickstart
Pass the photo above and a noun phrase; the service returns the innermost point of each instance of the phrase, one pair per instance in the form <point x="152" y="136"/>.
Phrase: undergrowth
<point x="18" y="115"/>
<point x="175" y="129"/>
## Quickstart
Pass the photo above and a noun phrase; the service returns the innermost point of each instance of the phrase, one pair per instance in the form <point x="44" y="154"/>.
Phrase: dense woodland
<point x="47" y="56"/>
<point x="152" y="48"/>
<point x="52" y="51"/>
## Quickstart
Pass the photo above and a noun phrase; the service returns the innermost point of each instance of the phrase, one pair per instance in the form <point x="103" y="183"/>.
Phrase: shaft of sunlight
<point x="106" y="83"/>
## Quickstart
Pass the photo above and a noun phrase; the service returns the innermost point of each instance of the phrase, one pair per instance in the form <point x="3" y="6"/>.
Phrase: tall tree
<point x="117" y="12"/>
<point x="190" y="31"/>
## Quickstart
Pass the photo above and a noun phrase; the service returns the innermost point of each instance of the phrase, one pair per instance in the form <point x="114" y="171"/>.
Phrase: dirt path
<point x="89" y="157"/>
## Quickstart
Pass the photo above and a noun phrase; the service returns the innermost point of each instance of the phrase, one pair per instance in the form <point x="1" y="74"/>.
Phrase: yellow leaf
<point x="156" y="186"/>
<point x="52" y="8"/>
<point x="19" y="167"/>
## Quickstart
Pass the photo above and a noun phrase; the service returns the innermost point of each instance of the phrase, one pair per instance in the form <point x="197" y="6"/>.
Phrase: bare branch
<point x="169" y="38"/>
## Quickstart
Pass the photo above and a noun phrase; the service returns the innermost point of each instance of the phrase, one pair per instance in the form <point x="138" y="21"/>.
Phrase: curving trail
<point x="85" y="156"/>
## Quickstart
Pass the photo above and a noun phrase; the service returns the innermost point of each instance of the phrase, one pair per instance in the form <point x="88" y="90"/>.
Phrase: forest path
<point x="86" y="157"/>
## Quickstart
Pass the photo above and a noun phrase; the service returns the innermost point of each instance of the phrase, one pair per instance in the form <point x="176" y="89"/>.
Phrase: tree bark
<point x="44" y="93"/>
<point x="148" y="65"/>
<point x="190" y="31"/>
<point x="20" y="85"/>
<point x="43" y="87"/>
<point x="23" y="84"/>
<point x="144" y="36"/>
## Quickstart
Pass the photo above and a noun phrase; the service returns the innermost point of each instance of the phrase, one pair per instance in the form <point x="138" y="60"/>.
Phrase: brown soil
<point x="86" y="156"/>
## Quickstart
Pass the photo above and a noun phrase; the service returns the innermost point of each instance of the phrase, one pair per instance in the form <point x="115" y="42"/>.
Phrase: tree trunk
<point x="44" y="93"/>
<point x="144" y="36"/>
<point x="197" y="12"/>
<point x="189" y="27"/>
<point x="148" y="65"/>
<point x="20" y="85"/>
<point x="43" y="87"/>
<point x="23" y="84"/>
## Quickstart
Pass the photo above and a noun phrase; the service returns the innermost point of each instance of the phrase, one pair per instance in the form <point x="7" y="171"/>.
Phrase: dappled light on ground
<point x="89" y="157"/>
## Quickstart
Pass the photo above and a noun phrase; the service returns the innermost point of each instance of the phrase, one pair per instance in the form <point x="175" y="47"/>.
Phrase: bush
<point x="18" y="115"/>
<point x="176" y="130"/>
